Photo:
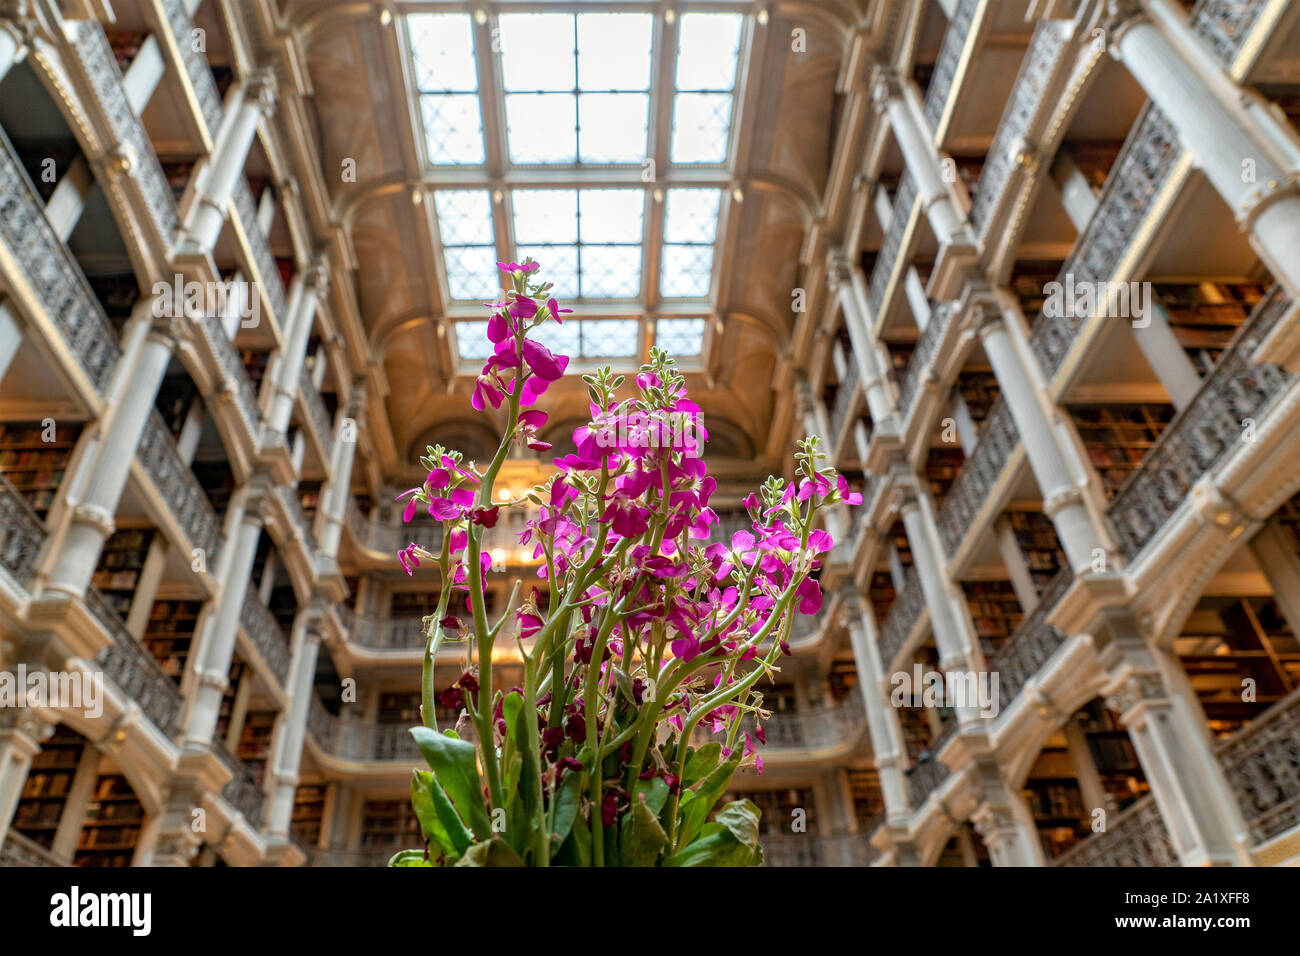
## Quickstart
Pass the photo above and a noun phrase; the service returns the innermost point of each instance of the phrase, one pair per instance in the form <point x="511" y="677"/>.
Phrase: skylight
<point x="690" y="229"/>
<point x="577" y="86"/>
<point x="708" y="48"/>
<point x="442" y="48"/>
<point x="577" y="338"/>
<point x="589" y="240"/>
<point x="469" y="250"/>
<point x="680" y="337"/>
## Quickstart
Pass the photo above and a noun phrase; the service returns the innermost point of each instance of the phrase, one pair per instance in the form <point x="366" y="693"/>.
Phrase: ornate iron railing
<point x="368" y="856"/>
<point x="263" y="258"/>
<point x="810" y="849"/>
<point x="945" y="67"/>
<point x="134" y="670"/>
<point x="892" y="247"/>
<point x="923" y="356"/>
<point x="1136" y="837"/>
<point x="1050" y="40"/>
<point x="196" y="65"/>
<point x="923" y="779"/>
<point x="1139" y="173"/>
<point x="354" y="740"/>
<point x="54" y="276"/>
<point x="22" y="533"/>
<point x="812" y="728"/>
<point x="901" y="619"/>
<point x="177" y="486"/>
<point x="242" y="791"/>
<point x="1262" y="764"/>
<point x="997" y="439"/>
<point x="233" y="373"/>
<point x="320" y="417"/>
<point x="1237" y="392"/>
<point x="293" y="509"/>
<point x="844" y="401"/>
<point x="18" y="850"/>
<point x="265" y="634"/>
<point x="1224" y="25"/>
<point x="1032" y="643"/>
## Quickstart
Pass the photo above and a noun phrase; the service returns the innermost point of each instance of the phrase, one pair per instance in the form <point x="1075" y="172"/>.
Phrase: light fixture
<point x="762" y="17"/>
<point x="738" y="194"/>
<point x="658" y="195"/>
<point x="417" y="196"/>
<point x="504" y="494"/>
<point x="480" y="16"/>
<point x="385" y="18"/>
<point x="670" y="15"/>
<point x="498" y="196"/>
<point x="498" y="559"/>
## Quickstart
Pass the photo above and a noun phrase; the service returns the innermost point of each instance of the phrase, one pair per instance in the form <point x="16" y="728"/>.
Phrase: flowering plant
<point x="650" y="638"/>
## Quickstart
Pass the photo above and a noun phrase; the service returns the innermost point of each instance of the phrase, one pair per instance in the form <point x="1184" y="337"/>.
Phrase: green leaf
<point x="741" y="818"/>
<point x="409" y="858"/>
<point x="454" y="765"/>
<point x="567" y="801"/>
<point x="582" y="839"/>
<point x="493" y="852"/>
<point x="642" y="837"/>
<point x="710" y="790"/>
<point x="700" y="763"/>
<point x="716" y="846"/>
<point x="655" y="791"/>
<point x="438" y="817"/>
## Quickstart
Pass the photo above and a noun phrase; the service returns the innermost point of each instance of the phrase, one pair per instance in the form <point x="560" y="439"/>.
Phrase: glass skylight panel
<point x="609" y="338"/>
<point x="690" y="230"/>
<point x="442" y="53"/>
<point x="472" y="342"/>
<point x="589" y="240"/>
<point x="680" y="337"/>
<point x="468" y="247"/>
<point x="577" y="86"/>
<point x="708" y="50"/>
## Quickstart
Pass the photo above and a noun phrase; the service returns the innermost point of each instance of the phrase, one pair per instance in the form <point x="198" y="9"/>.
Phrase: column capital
<point x="1134" y="690"/>
<point x="260" y="90"/>
<point x="839" y="268"/>
<point x="888" y="86"/>
<point x="28" y="724"/>
<point x="1119" y="16"/>
<point x="98" y="518"/>
<point x="316" y="276"/>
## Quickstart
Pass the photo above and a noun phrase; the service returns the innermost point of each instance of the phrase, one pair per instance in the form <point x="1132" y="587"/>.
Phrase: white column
<point x="1022" y="582"/>
<point x="218" y="179"/>
<point x="1274" y="551"/>
<point x="886" y="732"/>
<point x="21" y="733"/>
<point x="217" y="646"/>
<point x="338" y="490"/>
<point x="815" y="423"/>
<point x="108" y="466"/>
<point x="1091" y="788"/>
<point x="288" y="753"/>
<point x="1205" y="106"/>
<point x="1063" y="499"/>
<point x="314" y="284"/>
<point x="11" y="331"/>
<point x="1008" y="830"/>
<point x="73" y="816"/>
<point x="16" y="28"/>
<point x="847" y="282"/>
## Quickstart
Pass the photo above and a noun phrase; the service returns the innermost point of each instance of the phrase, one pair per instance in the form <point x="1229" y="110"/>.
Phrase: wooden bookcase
<point x="778" y="808"/>
<point x="47" y="786"/>
<point x="1206" y="315"/>
<point x="995" y="611"/>
<point x="1113" y="753"/>
<point x="308" y="813"/>
<point x="390" y="823"/>
<point x="881" y="594"/>
<point x="217" y="482"/>
<point x="843" y="678"/>
<point x="255" y="742"/>
<point x="942" y="466"/>
<point x="864" y="787"/>
<point x="979" y="390"/>
<point x="1036" y="536"/>
<point x="170" y="633"/>
<point x="1028" y="281"/>
<point x="176" y="396"/>
<point x="238" y="671"/>
<point x="1118" y="437"/>
<point x="113" y="820"/>
<point x="120" y="563"/>
<point x="35" y="467"/>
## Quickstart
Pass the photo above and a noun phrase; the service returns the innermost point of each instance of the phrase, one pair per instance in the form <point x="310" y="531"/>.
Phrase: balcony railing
<point x="368" y="856"/>
<point x="892" y="248"/>
<point x="263" y="259"/>
<point x="21" y="533"/>
<point x="320" y="417"/>
<point x="945" y="67"/>
<point x="293" y="510"/>
<point x="844" y="402"/>
<point x="242" y="791"/>
<point x="1136" y="837"/>
<point x="1050" y="40"/>
<point x="923" y="778"/>
<point x="1032" y="643"/>
<point x="969" y="493"/>
<point x="177" y="486"/>
<point x="265" y="634"/>
<point x="809" y="849"/>
<point x="133" y="669"/>
<point x="53" y="275"/>
<point x="18" y="850"/>
<point x="376" y="535"/>
<point x="101" y="69"/>
<point x="1138" y="175"/>
<point x="1203" y="433"/>
<point x="901" y="620"/>
<point x="813" y="728"/>
<point x="1224" y="25"/>
<point x="1262" y="764"/>
<point x="923" y="356"/>
<point x="401" y="633"/>
<point x="353" y="740"/>
<point x="233" y="373"/>
<point x="197" y="70"/>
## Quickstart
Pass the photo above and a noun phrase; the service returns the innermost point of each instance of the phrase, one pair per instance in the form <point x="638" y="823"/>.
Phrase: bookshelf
<point x="1113" y="753"/>
<point x="881" y="594"/>
<point x="778" y="808"/>
<point x="125" y="45"/>
<point x="864" y="788"/>
<point x="1118" y="437"/>
<point x="169" y="634"/>
<point x="1036" y="536"/>
<point x="255" y="742"/>
<point x="238" y="670"/>
<point x="994" y="610"/>
<point x="842" y="679"/>
<point x="113" y="820"/>
<point x="117" y="295"/>
<point x="176" y="396"/>
<point x="35" y="467"/>
<point x="942" y="466"/>
<point x="1029" y="277"/>
<point x="898" y="534"/>
<point x="217" y="481"/>
<point x="255" y="363"/>
<point x="979" y="390"/>
<point x="120" y="563"/>
<point x="308" y="813"/>
<point x="900" y="354"/>
<point x="1205" y="316"/>
<point x="390" y="823"/>
<point x="309" y="493"/>
<point x="46" y="790"/>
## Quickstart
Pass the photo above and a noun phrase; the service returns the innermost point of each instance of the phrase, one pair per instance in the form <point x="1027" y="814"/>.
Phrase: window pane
<point x="610" y="337"/>
<point x="537" y="51"/>
<point x="691" y="215"/>
<point x="442" y="48"/>
<point x="472" y="341"/>
<point x="680" y="336"/>
<point x="612" y="127"/>
<point x="471" y="272"/>
<point x="464" y="216"/>
<point x="561" y="339"/>
<point x="611" y="215"/>
<point x="541" y="127"/>
<point x="559" y="266"/>
<point x="453" y="129"/>
<point x="611" y="272"/>
<point x="614" y="51"/>
<point x="707" y="47"/>
<point x="701" y="122"/>
<point x="546" y="215"/>
<point x="687" y="271"/>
